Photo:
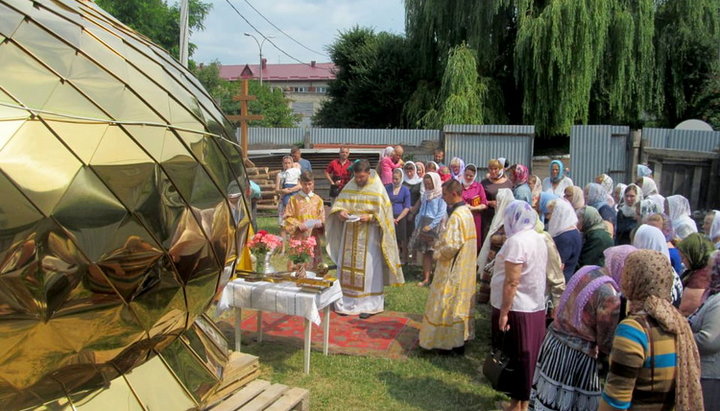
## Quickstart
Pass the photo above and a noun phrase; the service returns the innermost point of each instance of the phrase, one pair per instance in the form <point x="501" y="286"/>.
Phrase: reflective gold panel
<point x="116" y="215"/>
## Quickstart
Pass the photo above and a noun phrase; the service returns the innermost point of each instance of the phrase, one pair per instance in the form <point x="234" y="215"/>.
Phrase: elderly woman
<point x="648" y="237"/>
<point x="557" y="182"/>
<point x="627" y="218"/>
<point x="618" y="193"/>
<point x="654" y="362"/>
<point x="566" y="376"/>
<point x="705" y="324"/>
<point x="535" y="185"/>
<point x="492" y="244"/>
<point x="492" y="183"/>
<point x="519" y="174"/>
<point x="474" y="196"/>
<point x="457" y="168"/>
<point x="563" y="229"/>
<point x="596" y="196"/>
<point x="575" y="196"/>
<point x="595" y="237"/>
<point x="678" y="209"/>
<point x="695" y="250"/>
<point x="400" y="199"/>
<point x="714" y="231"/>
<point x="518" y="298"/>
<point x="607" y="184"/>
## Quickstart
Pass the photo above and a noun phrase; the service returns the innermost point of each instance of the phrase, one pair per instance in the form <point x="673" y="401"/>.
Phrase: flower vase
<point x="269" y="269"/>
<point x="300" y="270"/>
<point x="261" y="262"/>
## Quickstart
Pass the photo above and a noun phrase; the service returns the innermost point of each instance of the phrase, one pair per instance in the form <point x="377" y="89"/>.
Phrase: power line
<point x="281" y="31"/>
<point x="270" y="41"/>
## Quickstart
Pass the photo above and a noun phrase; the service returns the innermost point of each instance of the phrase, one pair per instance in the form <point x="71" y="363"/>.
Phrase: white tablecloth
<point x="286" y="298"/>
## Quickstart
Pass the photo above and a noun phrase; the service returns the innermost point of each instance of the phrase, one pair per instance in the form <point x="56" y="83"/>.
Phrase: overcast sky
<point x="314" y="23"/>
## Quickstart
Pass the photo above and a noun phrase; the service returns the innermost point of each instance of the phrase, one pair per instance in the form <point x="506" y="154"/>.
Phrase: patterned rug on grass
<point x="388" y="334"/>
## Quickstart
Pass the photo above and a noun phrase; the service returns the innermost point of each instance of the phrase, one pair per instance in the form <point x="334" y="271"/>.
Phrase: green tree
<point x="687" y="35"/>
<point x="373" y="80"/>
<point x="270" y="102"/>
<point x="157" y="20"/>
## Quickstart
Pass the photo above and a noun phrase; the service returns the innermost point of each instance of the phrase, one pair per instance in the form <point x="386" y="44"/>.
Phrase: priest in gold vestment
<point x="449" y="312"/>
<point x="361" y="241"/>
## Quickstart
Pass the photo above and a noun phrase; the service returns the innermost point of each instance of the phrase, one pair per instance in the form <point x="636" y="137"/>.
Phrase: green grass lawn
<point x="423" y="381"/>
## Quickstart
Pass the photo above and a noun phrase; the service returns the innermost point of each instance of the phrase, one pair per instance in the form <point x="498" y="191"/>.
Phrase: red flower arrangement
<point x="301" y="251"/>
<point x="263" y="242"/>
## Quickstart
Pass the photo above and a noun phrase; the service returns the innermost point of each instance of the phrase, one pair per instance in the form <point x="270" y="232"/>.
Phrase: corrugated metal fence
<point x="478" y="144"/>
<point x="599" y="149"/>
<point x="290" y="136"/>
<point x="691" y="140"/>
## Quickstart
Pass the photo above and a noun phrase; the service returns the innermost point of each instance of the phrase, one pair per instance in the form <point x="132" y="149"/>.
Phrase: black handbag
<point x="334" y="190"/>
<point x="497" y="370"/>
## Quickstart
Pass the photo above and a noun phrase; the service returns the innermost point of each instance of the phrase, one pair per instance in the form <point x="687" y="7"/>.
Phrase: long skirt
<point x="711" y="393"/>
<point x="566" y="379"/>
<point x="522" y="345"/>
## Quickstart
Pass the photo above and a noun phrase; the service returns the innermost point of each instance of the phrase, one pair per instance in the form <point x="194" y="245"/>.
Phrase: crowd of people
<point x="602" y="297"/>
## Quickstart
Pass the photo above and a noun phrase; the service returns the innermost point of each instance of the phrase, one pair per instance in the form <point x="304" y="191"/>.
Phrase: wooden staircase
<point x="265" y="178"/>
<point x="241" y="390"/>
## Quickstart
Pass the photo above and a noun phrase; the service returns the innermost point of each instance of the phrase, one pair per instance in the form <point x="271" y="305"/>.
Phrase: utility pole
<point x="260" y="46"/>
<point x="184" y="32"/>
<point x="244" y="116"/>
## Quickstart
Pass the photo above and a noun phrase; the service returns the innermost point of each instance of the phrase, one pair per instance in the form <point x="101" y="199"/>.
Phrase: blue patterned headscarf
<point x="519" y="216"/>
<point x="561" y="174"/>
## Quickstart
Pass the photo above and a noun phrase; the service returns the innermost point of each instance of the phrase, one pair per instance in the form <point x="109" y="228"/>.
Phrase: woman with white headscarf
<point x="518" y="298"/>
<point x="627" y="216"/>
<point x="618" y="193"/>
<point x="428" y="223"/>
<point x="648" y="237"/>
<point x="387" y="165"/>
<point x="713" y="230"/>
<point x="564" y="231"/>
<point x="644" y="171"/>
<point x="494" y="240"/>
<point x="650" y="192"/>
<point x="607" y="184"/>
<point x="678" y="209"/>
<point x="457" y="169"/>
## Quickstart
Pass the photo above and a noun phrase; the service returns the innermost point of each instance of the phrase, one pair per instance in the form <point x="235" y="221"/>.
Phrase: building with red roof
<point x="305" y="85"/>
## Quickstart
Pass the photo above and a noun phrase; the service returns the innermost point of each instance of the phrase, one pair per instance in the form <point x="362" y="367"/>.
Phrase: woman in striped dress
<point x="654" y="362"/>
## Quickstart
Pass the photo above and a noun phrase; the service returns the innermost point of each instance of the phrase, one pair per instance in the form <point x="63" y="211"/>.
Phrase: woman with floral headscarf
<point x="563" y="229"/>
<point x="618" y="193"/>
<point x="648" y="237"/>
<point x="595" y="196"/>
<point x="705" y="324"/>
<point x="654" y="361"/>
<point x="519" y="174"/>
<point x="607" y="184"/>
<point x="518" y="298"/>
<point x="474" y="196"/>
<point x="627" y="217"/>
<point x="695" y="250"/>
<point x="575" y="196"/>
<point x="557" y="181"/>
<point x="428" y="223"/>
<point x="678" y="209"/>
<point x="595" y="237"/>
<point x="566" y="376"/>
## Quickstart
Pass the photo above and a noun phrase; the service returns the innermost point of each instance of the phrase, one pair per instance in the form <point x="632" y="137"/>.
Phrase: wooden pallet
<point x="262" y="395"/>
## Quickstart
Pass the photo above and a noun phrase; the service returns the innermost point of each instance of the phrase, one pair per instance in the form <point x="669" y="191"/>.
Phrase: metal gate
<point x="599" y="149"/>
